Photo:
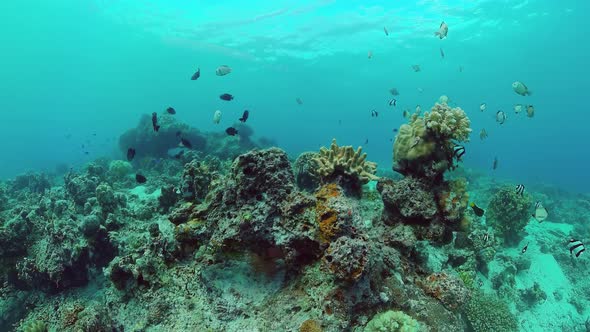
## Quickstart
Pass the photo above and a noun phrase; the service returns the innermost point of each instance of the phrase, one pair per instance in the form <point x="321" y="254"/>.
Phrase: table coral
<point x="343" y="162"/>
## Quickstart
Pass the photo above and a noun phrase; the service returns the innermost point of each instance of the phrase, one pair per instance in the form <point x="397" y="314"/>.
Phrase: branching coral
<point x="344" y="162"/>
<point x="488" y="313"/>
<point x="425" y="146"/>
<point x="508" y="213"/>
<point x="392" y="321"/>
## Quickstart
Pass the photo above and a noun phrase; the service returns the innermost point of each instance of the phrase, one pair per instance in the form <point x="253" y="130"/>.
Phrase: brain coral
<point x="343" y="161"/>
<point x="392" y="321"/>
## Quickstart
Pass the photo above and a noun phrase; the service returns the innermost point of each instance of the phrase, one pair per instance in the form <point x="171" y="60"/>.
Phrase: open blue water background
<point x="82" y="72"/>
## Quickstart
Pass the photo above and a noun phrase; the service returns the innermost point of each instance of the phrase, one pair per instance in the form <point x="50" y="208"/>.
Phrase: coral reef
<point x="347" y="258"/>
<point x="345" y="165"/>
<point x="304" y="169"/>
<point x="310" y="325"/>
<point x="508" y="213"/>
<point x="447" y="288"/>
<point x="453" y="200"/>
<point x="425" y="146"/>
<point x="488" y="313"/>
<point x="35" y="183"/>
<point x="408" y="199"/>
<point x="392" y="321"/>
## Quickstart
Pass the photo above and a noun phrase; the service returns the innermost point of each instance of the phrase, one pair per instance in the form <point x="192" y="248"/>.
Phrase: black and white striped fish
<point x="393" y="102"/>
<point x="459" y="151"/>
<point x="520" y="189"/>
<point x="576" y="247"/>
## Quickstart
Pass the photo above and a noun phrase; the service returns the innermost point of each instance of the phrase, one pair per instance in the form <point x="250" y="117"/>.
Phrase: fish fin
<point x="437" y="33"/>
<point x="528" y="93"/>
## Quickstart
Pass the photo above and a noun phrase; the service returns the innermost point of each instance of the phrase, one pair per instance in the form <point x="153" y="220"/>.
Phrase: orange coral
<point x="310" y="325"/>
<point x="326" y="216"/>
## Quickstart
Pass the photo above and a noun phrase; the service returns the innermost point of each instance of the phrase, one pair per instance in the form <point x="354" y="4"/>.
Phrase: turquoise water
<point x="79" y="68"/>
<point x="248" y="249"/>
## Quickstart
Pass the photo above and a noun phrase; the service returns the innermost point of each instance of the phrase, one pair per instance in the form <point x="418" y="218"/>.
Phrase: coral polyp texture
<point x="424" y="147"/>
<point x="344" y="163"/>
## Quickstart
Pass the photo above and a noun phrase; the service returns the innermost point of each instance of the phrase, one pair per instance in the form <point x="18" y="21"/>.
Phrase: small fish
<point x="196" y="75"/>
<point x="385" y="30"/>
<point x="576" y="246"/>
<point x="244" y="116"/>
<point x="486" y="237"/>
<point x="525" y="248"/>
<point x="394" y="92"/>
<point x="86" y="152"/>
<point x="393" y="102"/>
<point x="443" y="30"/>
<point x="374" y="113"/>
<point x="155" y="121"/>
<point x="483" y="134"/>
<point x="370" y="54"/>
<point x="299" y="101"/>
<point x="186" y="143"/>
<point x="517" y="108"/>
<point x="500" y="117"/>
<point x="521" y="89"/>
<point x="223" y="70"/>
<point x="406" y="114"/>
<point x="520" y="189"/>
<point x="530" y="111"/>
<point x="217" y="116"/>
<point x="140" y="178"/>
<point x="231" y="131"/>
<point x="442" y="53"/>
<point x="495" y="165"/>
<point x="366" y="141"/>
<point x="130" y="154"/>
<point x="459" y="151"/>
<point x="171" y="110"/>
<point x="482" y="107"/>
<point x="477" y="210"/>
<point x="420" y="90"/>
<point x="416" y="68"/>
<point x="540" y="213"/>
<point x="395" y="130"/>
<point x="460" y="69"/>
<point x="226" y="97"/>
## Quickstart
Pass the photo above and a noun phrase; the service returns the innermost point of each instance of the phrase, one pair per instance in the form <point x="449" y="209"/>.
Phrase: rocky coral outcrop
<point x="304" y="169"/>
<point x="346" y="166"/>
<point x="408" y="200"/>
<point x="508" y="213"/>
<point x="347" y="257"/>
<point x="393" y="321"/>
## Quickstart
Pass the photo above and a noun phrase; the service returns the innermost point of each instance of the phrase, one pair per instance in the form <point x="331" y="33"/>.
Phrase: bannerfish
<point x="521" y="89"/>
<point x="477" y="210"/>
<point x="186" y="143"/>
<point x="245" y="116"/>
<point x="520" y="189"/>
<point x="416" y="68"/>
<point x="577" y="247"/>
<point x="130" y="154"/>
<point x="374" y="113"/>
<point x="155" y="121"/>
<point x="459" y="151"/>
<point x="442" y="53"/>
<point x="393" y="102"/>
<point x="299" y="101"/>
<point x="140" y="178"/>
<point x="226" y="97"/>
<point x="530" y="111"/>
<point x="217" y="116"/>
<point x="540" y="213"/>
<point x="443" y="30"/>
<point x="171" y="110"/>
<point x="483" y="134"/>
<point x="517" y="108"/>
<point x="525" y="248"/>
<point x="500" y="117"/>
<point x="394" y="92"/>
<point x="196" y="75"/>
<point x="482" y="107"/>
<point x="495" y="165"/>
<point x="385" y="30"/>
<point x="231" y="131"/>
<point x="222" y="70"/>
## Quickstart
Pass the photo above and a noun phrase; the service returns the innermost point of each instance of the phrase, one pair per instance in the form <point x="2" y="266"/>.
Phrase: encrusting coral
<point x="425" y="146"/>
<point x="343" y="162"/>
